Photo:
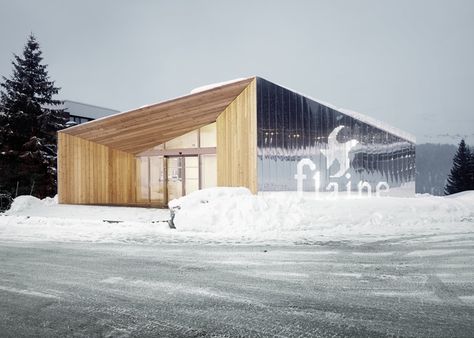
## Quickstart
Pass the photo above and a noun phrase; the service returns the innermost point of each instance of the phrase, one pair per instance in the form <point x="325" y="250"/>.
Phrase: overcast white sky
<point x="407" y="62"/>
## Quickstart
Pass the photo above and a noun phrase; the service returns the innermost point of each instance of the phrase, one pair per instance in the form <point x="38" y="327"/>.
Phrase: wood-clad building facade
<point x="150" y="155"/>
<point x="247" y="132"/>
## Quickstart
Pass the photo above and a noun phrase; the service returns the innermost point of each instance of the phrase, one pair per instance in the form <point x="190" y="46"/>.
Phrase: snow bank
<point x="235" y="211"/>
<point x="234" y="215"/>
<point x="45" y="220"/>
<point x="33" y="207"/>
<point x="22" y="203"/>
<point x="231" y="210"/>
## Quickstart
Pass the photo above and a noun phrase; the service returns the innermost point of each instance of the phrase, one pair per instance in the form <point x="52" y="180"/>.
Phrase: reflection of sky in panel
<point x="292" y="127"/>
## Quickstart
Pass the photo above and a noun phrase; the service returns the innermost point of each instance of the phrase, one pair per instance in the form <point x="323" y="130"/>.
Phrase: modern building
<point x="248" y="132"/>
<point x="83" y="112"/>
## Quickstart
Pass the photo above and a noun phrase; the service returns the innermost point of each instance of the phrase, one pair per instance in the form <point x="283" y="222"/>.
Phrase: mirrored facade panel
<point x="345" y="150"/>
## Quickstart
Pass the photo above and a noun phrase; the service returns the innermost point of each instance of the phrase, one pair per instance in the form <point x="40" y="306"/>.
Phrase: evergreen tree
<point x="29" y="121"/>
<point x="460" y="178"/>
<point x="471" y="171"/>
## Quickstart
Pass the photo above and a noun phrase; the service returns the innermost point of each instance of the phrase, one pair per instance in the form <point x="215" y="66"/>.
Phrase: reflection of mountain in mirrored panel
<point x="291" y="127"/>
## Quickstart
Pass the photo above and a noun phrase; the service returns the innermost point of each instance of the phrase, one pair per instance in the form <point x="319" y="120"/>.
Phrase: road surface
<point x="405" y="287"/>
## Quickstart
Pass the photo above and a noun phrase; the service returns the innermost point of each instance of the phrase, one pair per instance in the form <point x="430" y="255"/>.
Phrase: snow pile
<point x="26" y="228"/>
<point x="232" y="210"/>
<point x="235" y="211"/>
<point x="22" y="203"/>
<point x="33" y="207"/>
<point x="32" y="219"/>
<point x="234" y="215"/>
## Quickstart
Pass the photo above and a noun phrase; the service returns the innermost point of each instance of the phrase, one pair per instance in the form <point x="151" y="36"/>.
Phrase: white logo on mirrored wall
<point x="338" y="152"/>
<point x="335" y="152"/>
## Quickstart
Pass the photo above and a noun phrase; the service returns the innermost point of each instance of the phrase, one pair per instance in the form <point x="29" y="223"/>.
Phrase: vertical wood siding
<point x="90" y="173"/>
<point x="237" y="141"/>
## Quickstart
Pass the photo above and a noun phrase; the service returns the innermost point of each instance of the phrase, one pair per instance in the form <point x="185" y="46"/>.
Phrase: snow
<point x="234" y="215"/>
<point x="214" y="85"/>
<point x="194" y="91"/>
<point x="171" y="288"/>
<point x="236" y="210"/>
<point x="32" y="219"/>
<point x="359" y="116"/>
<point x="362" y="117"/>
<point x="467" y="299"/>
<point x="379" y="124"/>
<point x="437" y="252"/>
<point x="49" y="208"/>
<point x="27" y="292"/>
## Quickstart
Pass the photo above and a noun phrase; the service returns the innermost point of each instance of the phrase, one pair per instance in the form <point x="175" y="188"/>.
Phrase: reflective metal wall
<point x="344" y="149"/>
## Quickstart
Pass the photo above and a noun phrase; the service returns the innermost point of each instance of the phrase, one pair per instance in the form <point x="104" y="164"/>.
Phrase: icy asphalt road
<point x="409" y="287"/>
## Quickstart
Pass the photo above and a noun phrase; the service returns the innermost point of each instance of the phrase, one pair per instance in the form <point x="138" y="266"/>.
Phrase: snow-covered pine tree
<point x="471" y="170"/>
<point x="460" y="178"/>
<point x="29" y="121"/>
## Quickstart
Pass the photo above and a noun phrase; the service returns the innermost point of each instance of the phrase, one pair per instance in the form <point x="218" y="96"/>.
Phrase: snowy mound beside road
<point x="49" y="208"/>
<point x="234" y="211"/>
<point x="231" y="215"/>
<point x="45" y="220"/>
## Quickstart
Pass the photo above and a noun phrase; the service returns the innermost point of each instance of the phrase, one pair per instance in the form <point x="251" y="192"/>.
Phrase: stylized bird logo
<point x="339" y="152"/>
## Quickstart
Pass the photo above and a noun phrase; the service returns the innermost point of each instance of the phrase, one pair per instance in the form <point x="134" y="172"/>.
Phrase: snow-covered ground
<point x="374" y="267"/>
<point x="233" y="215"/>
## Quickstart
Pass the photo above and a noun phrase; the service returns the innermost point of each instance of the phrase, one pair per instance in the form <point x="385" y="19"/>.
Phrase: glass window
<point x="159" y="147"/>
<point x="191" y="174"/>
<point x="142" y="179"/>
<point x="208" y="136"/>
<point x="208" y="171"/>
<point x="189" y="140"/>
<point x="156" y="178"/>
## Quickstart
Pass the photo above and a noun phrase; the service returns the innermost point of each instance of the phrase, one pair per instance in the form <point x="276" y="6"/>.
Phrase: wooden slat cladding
<point x="138" y="130"/>
<point x="237" y="141"/>
<point x="91" y="173"/>
<point x="97" y="161"/>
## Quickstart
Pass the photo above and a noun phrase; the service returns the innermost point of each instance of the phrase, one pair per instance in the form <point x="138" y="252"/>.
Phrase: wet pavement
<point x="417" y="286"/>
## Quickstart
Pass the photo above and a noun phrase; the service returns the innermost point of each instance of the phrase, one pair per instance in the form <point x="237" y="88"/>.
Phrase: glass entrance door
<point x="183" y="175"/>
<point x="174" y="180"/>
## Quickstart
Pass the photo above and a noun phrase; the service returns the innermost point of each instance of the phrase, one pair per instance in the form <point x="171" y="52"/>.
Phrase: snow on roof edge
<point x="359" y="116"/>
<point x="379" y="124"/>
<point x="211" y="86"/>
<point x="216" y="85"/>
